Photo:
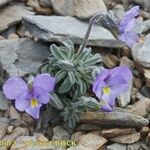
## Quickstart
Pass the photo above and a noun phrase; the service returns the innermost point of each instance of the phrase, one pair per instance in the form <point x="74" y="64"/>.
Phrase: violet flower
<point x="126" y="26"/>
<point x="28" y="99"/>
<point x="109" y="84"/>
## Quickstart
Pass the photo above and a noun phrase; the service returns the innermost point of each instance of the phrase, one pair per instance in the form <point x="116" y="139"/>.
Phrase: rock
<point x="114" y="119"/>
<point x="92" y="141"/>
<point x="49" y="132"/>
<point x="88" y="127"/>
<point x="21" y="31"/>
<point x="76" y="136"/>
<point x="4" y="2"/>
<point x="10" y="18"/>
<point x="79" y="147"/>
<point x="48" y="29"/>
<point x="145" y="91"/>
<point x="28" y="119"/>
<point x="79" y="8"/>
<point x="10" y="129"/>
<point x="18" y="123"/>
<point x="25" y="56"/>
<point x="3" y="127"/>
<point x="17" y="132"/>
<point x="117" y="146"/>
<point x="3" y="102"/>
<point x="144" y="132"/>
<point x="135" y="146"/>
<point x="13" y="36"/>
<point x="126" y="61"/>
<point x="13" y="113"/>
<point x="133" y="95"/>
<point x="143" y="103"/>
<point x="31" y="143"/>
<point x="125" y="98"/>
<point x="147" y="76"/>
<point x="138" y="82"/>
<point x="2" y="38"/>
<point x="110" y="133"/>
<point x="44" y="11"/>
<point x="45" y="3"/>
<point x="33" y="3"/>
<point x="127" y="139"/>
<point x="110" y="60"/>
<point x="141" y="53"/>
<point x="60" y="134"/>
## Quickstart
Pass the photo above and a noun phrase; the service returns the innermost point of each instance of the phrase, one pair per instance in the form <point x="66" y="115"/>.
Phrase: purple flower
<point x="28" y="99"/>
<point x="126" y="27"/>
<point x="111" y="83"/>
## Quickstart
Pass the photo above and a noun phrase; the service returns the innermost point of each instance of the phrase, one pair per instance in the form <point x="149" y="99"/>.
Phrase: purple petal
<point x="122" y="71"/>
<point x="116" y="80"/>
<point x="13" y="87"/>
<point x="34" y="111"/>
<point x="129" y="38"/>
<point x="45" y="82"/>
<point x="23" y="101"/>
<point x="109" y="98"/>
<point x="42" y="96"/>
<point x="131" y="14"/>
<point x="106" y="108"/>
<point x="130" y="25"/>
<point x="97" y="88"/>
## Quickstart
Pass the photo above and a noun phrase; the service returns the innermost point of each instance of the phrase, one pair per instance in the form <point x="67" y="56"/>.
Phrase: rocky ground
<point x="28" y="27"/>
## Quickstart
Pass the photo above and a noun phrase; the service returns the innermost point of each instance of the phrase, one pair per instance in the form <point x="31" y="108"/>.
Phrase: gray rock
<point x="141" y="53"/>
<point x="117" y="146"/>
<point x="135" y="146"/>
<point x="114" y="119"/>
<point x="125" y="98"/>
<point x="10" y="18"/>
<point x="3" y="102"/>
<point x="145" y="91"/>
<point x="58" y="29"/>
<point x="3" y="126"/>
<point x="60" y="134"/>
<point x="127" y="139"/>
<point x="79" y="8"/>
<point x="4" y="2"/>
<point x="45" y="3"/>
<point x="18" y="57"/>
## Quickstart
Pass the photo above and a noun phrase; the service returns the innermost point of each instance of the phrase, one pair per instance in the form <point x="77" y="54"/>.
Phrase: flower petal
<point x="23" y="101"/>
<point x="45" y="82"/>
<point x="42" y="96"/>
<point x="106" y="108"/>
<point x="122" y="71"/>
<point x="13" y="87"/>
<point x="34" y="111"/>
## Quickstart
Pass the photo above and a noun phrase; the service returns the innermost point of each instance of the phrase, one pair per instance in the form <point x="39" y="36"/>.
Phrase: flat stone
<point x="92" y="141"/>
<point x="45" y="3"/>
<point x="79" y="8"/>
<point x="3" y="101"/>
<point x="79" y="147"/>
<point x="127" y="139"/>
<point x="125" y="98"/>
<point x="13" y="113"/>
<point x="141" y="53"/>
<point x="147" y="76"/>
<point x="60" y="134"/>
<point x="76" y="136"/>
<point x="10" y="18"/>
<point x="88" y="127"/>
<point x="114" y="119"/>
<point x="135" y="146"/>
<point x="18" y="57"/>
<point x="4" y="2"/>
<point x="143" y="103"/>
<point x="3" y="127"/>
<point x="117" y="146"/>
<point x="110" y="133"/>
<point x="48" y="29"/>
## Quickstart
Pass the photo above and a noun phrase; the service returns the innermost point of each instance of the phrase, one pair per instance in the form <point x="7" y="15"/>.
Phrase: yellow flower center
<point x="106" y="90"/>
<point x="34" y="102"/>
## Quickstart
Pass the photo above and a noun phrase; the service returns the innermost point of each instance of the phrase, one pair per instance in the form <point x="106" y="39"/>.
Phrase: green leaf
<point x="65" y="86"/>
<point x="71" y="77"/>
<point x="91" y="102"/>
<point x="56" y="52"/>
<point x="56" y="102"/>
<point x="93" y="60"/>
<point x="60" y="75"/>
